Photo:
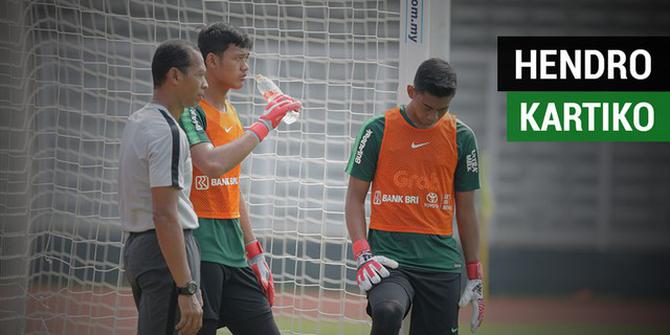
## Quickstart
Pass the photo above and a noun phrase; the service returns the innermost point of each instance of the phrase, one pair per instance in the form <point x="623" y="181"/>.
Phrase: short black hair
<point x="216" y="38"/>
<point x="169" y="54"/>
<point x="436" y="77"/>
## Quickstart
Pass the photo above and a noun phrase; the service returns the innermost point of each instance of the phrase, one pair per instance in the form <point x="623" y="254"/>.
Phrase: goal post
<point x="424" y="33"/>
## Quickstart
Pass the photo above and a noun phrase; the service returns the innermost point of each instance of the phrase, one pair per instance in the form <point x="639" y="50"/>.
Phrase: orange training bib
<point x="218" y="198"/>
<point x="413" y="186"/>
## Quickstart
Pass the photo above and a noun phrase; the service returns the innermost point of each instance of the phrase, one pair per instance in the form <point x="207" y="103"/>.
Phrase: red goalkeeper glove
<point x="474" y="293"/>
<point x="256" y="260"/>
<point x="371" y="268"/>
<point x="275" y="111"/>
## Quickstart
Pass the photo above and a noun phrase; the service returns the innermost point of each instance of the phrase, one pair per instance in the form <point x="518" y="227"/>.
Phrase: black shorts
<point x="232" y="296"/>
<point x="154" y="290"/>
<point x="433" y="297"/>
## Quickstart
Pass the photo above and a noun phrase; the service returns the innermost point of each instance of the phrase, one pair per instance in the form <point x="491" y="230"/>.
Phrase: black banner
<point x="630" y="63"/>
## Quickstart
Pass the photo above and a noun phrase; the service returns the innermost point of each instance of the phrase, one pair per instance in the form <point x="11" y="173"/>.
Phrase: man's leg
<point x="157" y="310"/>
<point x="153" y="288"/>
<point x="212" y="279"/>
<point x="388" y="303"/>
<point x="435" y="308"/>
<point x="246" y="310"/>
<point x="262" y="324"/>
<point x="130" y="274"/>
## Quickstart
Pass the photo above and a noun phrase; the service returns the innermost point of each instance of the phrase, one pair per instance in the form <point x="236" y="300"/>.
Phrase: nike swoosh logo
<point x="454" y="330"/>
<point x="228" y="129"/>
<point x="418" y="145"/>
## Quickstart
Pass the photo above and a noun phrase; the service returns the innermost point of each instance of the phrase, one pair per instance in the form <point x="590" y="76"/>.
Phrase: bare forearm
<point x="171" y="242"/>
<point x="215" y="161"/>
<point x="354" y="208"/>
<point x="468" y="226"/>
<point x="355" y="216"/>
<point x="245" y="223"/>
<point x="354" y="213"/>
<point x="469" y="233"/>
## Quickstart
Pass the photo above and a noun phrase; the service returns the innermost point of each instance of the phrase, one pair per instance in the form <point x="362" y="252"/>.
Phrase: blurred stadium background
<point x="577" y="232"/>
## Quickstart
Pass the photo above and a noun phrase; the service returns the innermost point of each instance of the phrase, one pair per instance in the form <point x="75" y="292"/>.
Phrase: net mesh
<point x="72" y="72"/>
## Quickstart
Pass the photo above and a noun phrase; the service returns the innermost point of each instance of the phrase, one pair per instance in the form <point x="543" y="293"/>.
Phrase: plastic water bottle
<point x="269" y="90"/>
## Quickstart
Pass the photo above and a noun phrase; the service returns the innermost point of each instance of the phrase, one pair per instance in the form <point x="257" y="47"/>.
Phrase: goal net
<point x="73" y="70"/>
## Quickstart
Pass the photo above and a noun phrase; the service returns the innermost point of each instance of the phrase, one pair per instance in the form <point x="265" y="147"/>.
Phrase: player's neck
<point x="415" y="121"/>
<point x="161" y="97"/>
<point x="216" y="96"/>
<point x="409" y="111"/>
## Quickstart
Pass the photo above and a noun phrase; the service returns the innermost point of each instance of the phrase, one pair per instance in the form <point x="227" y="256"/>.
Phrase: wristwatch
<point x="190" y="289"/>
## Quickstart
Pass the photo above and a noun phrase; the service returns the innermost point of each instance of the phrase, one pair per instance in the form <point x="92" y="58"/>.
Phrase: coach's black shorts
<point x="234" y="298"/>
<point x="433" y="297"/>
<point x="154" y="290"/>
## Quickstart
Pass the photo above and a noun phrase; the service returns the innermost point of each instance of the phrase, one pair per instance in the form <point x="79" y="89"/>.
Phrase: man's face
<point x="427" y="109"/>
<point x="194" y="84"/>
<point x="229" y="68"/>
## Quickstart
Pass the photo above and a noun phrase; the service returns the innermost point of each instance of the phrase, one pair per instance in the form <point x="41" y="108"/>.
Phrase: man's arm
<point x="468" y="225"/>
<point x="171" y="242"/>
<point x="245" y="223"/>
<point x="215" y="161"/>
<point x="165" y="187"/>
<point x="371" y="268"/>
<point x="169" y="233"/>
<point x="468" y="229"/>
<point x="354" y="208"/>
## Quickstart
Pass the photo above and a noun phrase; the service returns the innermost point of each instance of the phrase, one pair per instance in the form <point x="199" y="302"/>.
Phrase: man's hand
<point x="257" y="262"/>
<point x="371" y="268"/>
<point x="275" y="111"/>
<point x="277" y="108"/>
<point x="190" y="310"/>
<point x="474" y="293"/>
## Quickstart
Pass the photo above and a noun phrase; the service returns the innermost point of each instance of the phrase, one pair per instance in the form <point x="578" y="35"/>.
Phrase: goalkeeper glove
<point x="275" y="110"/>
<point x="261" y="269"/>
<point x="371" y="268"/>
<point x="474" y="294"/>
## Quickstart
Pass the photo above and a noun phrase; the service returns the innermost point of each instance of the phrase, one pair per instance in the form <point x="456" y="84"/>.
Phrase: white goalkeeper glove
<point x="371" y="268"/>
<point x="474" y="293"/>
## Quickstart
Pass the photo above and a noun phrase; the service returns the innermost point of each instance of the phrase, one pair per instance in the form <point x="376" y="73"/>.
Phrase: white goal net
<point x="73" y="70"/>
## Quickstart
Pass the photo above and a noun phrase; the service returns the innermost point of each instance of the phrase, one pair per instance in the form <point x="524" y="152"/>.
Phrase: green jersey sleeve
<point x="194" y="123"/>
<point x="365" y="152"/>
<point x="467" y="168"/>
